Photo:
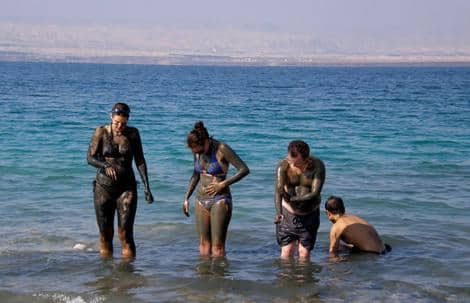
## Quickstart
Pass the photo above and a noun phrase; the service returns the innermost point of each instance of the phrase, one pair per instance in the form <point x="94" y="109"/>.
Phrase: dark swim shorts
<point x="301" y="228"/>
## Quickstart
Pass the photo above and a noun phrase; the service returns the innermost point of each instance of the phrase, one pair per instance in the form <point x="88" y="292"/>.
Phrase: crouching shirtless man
<point x="356" y="233"/>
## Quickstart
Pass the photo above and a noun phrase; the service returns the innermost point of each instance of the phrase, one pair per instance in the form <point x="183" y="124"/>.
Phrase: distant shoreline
<point x="210" y="60"/>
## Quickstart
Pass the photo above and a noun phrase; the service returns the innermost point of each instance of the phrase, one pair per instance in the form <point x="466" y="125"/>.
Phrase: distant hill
<point x="159" y="45"/>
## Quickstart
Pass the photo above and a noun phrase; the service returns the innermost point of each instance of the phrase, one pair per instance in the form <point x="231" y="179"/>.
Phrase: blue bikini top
<point x="213" y="168"/>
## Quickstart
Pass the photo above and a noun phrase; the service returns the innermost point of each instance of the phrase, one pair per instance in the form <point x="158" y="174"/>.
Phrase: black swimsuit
<point x="126" y="177"/>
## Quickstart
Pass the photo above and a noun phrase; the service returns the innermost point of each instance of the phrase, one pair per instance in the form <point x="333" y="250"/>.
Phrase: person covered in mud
<point x="351" y="232"/>
<point x="299" y="181"/>
<point x="111" y="151"/>
<point x="213" y="206"/>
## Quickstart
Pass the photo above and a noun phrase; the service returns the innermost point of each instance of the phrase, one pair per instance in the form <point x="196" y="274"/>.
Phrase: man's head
<point x="297" y="152"/>
<point x="334" y="207"/>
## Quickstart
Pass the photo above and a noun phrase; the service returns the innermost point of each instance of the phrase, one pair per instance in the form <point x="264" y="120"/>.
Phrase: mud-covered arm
<point x="234" y="159"/>
<point x="192" y="185"/>
<point x="279" y="183"/>
<point x="94" y="156"/>
<point x="139" y="158"/>
<point x="317" y="185"/>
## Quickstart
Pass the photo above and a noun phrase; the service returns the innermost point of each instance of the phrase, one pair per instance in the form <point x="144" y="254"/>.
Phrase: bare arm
<point x="280" y="181"/>
<point x="141" y="165"/>
<point x="231" y="157"/>
<point x="334" y="239"/>
<point x="317" y="184"/>
<point x="234" y="159"/>
<point x="94" y="157"/>
<point x="192" y="185"/>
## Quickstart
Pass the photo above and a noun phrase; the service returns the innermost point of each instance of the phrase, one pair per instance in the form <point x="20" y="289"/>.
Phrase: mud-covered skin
<point x="296" y="190"/>
<point x="212" y="224"/>
<point x="106" y="204"/>
<point x="115" y="184"/>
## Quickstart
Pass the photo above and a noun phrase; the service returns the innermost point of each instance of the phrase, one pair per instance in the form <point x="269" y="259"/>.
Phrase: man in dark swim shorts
<point x="111" y="151"/>
<point x="299" y="180"/>
<point x="298" y="228"/>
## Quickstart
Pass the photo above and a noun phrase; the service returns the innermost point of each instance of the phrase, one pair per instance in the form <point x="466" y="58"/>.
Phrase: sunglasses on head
<point x="119" y="111"/>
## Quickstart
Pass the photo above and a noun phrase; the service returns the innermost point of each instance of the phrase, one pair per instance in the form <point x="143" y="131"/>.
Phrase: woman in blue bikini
<point x="213" y="204"/>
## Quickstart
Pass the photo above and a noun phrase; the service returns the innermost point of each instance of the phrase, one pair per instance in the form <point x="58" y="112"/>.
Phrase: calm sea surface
<point x="395" y="142"/>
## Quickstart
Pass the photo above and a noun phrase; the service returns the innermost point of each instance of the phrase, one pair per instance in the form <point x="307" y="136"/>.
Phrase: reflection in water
<point x="117" y="279"/>
<point x="298" y="280"/>
<point x="297" y="272"/>
<point x="213" y="267"/>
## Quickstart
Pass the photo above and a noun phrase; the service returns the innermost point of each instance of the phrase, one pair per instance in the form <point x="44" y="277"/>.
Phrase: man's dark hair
<point x="297" y="147"/>
<point x="335" y="205"/>
<point x="121" y="109"/>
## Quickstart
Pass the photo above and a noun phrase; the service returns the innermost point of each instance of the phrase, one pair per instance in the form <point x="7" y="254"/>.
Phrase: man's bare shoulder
<point x="100" y="130"/>
<point x="283" y="164"/>
<point x="316" y="163"/>
<point x="337" y="228"/>
<point x="347" y="220"/>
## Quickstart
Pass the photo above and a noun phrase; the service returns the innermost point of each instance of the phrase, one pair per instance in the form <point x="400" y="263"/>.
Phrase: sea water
<point x="395" y="142"/>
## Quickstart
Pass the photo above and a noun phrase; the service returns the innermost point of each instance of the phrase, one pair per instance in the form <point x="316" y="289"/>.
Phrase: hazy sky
<point x="329" y="16"/>
<point x="369" y="27"/>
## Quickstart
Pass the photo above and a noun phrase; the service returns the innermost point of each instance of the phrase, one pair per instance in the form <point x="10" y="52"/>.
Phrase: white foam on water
<point x="79" y="246"/>
<point x="83" y="247"/>
<point x="62" y="298"/>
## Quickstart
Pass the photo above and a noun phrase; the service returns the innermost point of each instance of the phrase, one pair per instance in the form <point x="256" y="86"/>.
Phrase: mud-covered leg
<point x="203" y="227"/>
<point x="104" y="208"/>
<point x="127" y="207"/>
<point x="221" y="212"/>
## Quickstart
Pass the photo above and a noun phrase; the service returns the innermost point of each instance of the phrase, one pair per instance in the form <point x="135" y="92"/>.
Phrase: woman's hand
<point x="186" y="208"/>
<point x="214" y="187"/>
<point x="148" y="195"/>
<point x="110" y="172"/>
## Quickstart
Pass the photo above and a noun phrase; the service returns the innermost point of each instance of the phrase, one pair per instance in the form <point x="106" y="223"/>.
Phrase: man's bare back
<point x="356" y="232"/>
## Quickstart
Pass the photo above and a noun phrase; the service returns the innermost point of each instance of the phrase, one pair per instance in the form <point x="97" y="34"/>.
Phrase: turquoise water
<point x="395" y="142"/>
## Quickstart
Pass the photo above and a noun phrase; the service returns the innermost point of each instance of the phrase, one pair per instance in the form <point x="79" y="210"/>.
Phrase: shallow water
<point x="395" y="142"/>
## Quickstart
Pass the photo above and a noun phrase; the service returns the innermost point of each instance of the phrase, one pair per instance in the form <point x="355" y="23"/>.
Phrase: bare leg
<point x="104" y="208"/>
<point x="287" y="251"/>
<point x="203" y="229"/>
<point x="127" y="207"/>
<point x="106" y="243"/>
<point x="221" y="212"/>
<point x="127" y="244"/>
<point x="304" y="253"/>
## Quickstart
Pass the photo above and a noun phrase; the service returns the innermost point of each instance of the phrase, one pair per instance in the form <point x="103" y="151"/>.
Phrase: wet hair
<point x="121" y="109"/>
<point x="335" y="205"/>
<point x="297" y="147"/>
<point x="198" y="135"/>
